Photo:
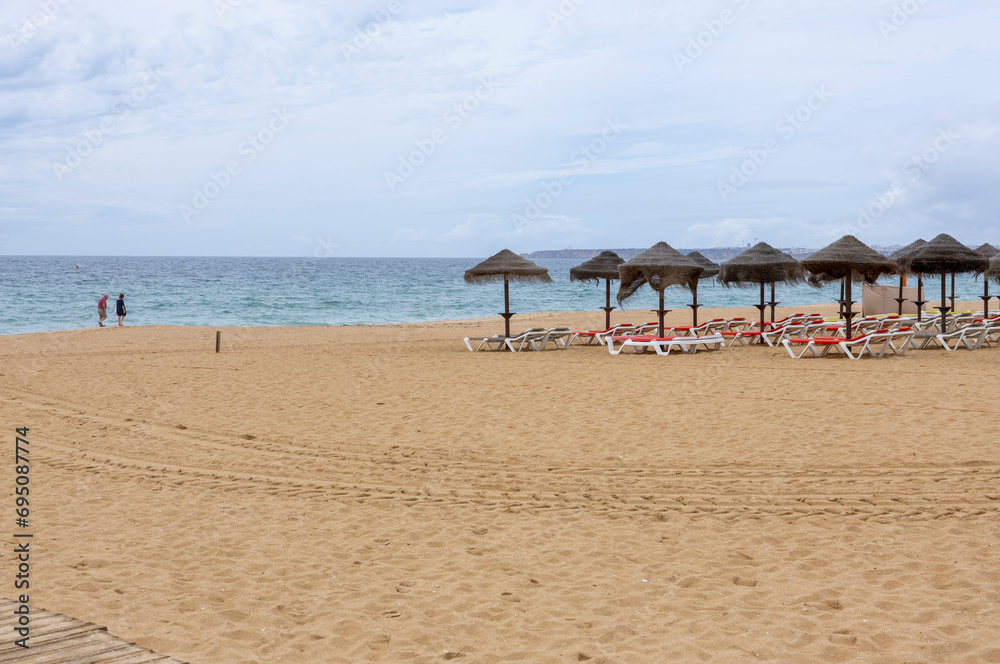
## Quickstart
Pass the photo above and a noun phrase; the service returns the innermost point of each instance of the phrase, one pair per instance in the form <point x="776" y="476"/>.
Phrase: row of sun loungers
<point x="802" y="335"/>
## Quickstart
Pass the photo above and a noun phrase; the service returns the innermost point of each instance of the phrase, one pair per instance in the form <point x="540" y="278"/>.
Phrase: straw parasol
<point x="659" y="266"/>
<point x="845" y="258"/>
<point x="711" y="270"/>
<point x="989" y="251"/>
<point x="506" y="266"/>
<point x="603" y="266"/>
<point x="942" y="255"/>
<point x="899" y="256"/>
<point x="761" y="264"/>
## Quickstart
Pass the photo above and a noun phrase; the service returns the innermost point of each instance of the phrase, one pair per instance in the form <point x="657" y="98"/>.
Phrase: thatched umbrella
<point x="845" y="258"/>
<point x="711" y="270"/>
<point x="899" y="256"/>
<point x="942" y="255"/>
<point x="659" y="266"/>
<point x="506" y="266"/>
<point x="761" y="264"/>
<point x="602" y="266"/>
<point x="989" y="251"/>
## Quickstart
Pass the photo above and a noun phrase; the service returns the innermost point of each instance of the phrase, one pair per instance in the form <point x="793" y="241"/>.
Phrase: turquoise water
<point x="44" y="293"/>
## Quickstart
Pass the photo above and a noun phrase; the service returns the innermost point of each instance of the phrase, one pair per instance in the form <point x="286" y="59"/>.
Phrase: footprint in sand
<point x="454" y="655"/>
<point x="843" y="638"/>
<point x="744" y="581"/>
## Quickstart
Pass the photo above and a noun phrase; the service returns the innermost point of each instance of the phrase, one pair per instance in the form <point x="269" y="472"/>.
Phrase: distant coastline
<point x="716" y="254"/>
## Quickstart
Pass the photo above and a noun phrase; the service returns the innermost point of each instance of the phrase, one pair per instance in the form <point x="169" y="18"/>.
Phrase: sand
<point x="379" y="494"/>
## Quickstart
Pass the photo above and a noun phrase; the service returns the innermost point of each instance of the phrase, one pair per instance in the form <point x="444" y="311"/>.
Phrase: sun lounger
<point x="775" y="335"/>
<point x="633" y="341"/>
<point x="742" y="337"/>
<point x="875" y="343"/>
<point x="663" y="345"/>
<point x="497" y="342"/>
<point x="590" y="337"/>
<point x="972" y="337"/>
<point x="557" y="336"/>
<point x="708" y="327"/>
<point x="817" y="346"/>
<point x="880" y="342"/>
<point x="646" y="328"/>
<point x="990" y="338"/>
<point x="689" y="344"/>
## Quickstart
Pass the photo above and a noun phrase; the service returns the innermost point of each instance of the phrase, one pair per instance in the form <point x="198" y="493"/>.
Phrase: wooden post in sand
<point x="218" y="340"/>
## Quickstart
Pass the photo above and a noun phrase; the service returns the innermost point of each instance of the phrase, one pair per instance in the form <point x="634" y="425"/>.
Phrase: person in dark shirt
<point x="120" y="309"/>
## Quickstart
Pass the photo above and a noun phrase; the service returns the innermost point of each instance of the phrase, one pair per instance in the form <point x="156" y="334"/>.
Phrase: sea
<point x="46" y="293"/>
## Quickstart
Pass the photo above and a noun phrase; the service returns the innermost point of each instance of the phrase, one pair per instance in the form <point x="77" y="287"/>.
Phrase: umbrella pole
<point x="986" y="297"/>
<point x="661" y="312"/>
<point x="773" y="303"/>
<point x="920" y="302"/>
<point x="952" y="290"/>
<point x="842" y="298"/>
<point x="848" y="304"/>
<point x="694" y="306"/>
<point x="506" y="307"/>
<point x="762" y="307"/>
<point x="607" y="304"/>
<point x="944" y="305"/>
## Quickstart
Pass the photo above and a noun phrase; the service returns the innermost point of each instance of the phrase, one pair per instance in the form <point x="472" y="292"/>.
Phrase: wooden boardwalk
<point x="59" y="639"/>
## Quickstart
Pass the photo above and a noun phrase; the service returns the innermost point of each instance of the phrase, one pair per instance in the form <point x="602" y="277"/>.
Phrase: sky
<point x="458" y="128"/>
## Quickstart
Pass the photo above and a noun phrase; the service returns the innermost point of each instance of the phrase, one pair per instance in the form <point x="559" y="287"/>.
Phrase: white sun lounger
<point x="663" y="345"/>
<point x="560" y="337"/>
<point x="497" y="342"/>
<point x="973" y="337"/>
<point x="689" y="344"/>
<point x="591" y="337"/>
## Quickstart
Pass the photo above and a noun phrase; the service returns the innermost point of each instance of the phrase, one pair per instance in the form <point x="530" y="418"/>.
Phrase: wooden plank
<point x="59" y="639"/>
<point x="39" y="619"/>
<point x="47" y="633"/>
<point x="65" y="650"/>
<point x="140" y="658"/>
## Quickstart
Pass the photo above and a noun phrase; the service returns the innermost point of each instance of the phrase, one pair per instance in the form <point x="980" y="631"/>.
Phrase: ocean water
<point x="44" y="293"/>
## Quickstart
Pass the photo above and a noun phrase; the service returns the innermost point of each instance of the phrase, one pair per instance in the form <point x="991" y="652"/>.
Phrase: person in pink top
<point x="102" y="310"/>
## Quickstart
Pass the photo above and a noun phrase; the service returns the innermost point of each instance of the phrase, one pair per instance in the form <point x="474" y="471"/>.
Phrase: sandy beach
<point x="380" y="494"/>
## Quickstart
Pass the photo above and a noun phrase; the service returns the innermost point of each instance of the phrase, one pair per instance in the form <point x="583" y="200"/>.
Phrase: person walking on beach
<point x="102" y="309"/>
<point x="120" y="309"/>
